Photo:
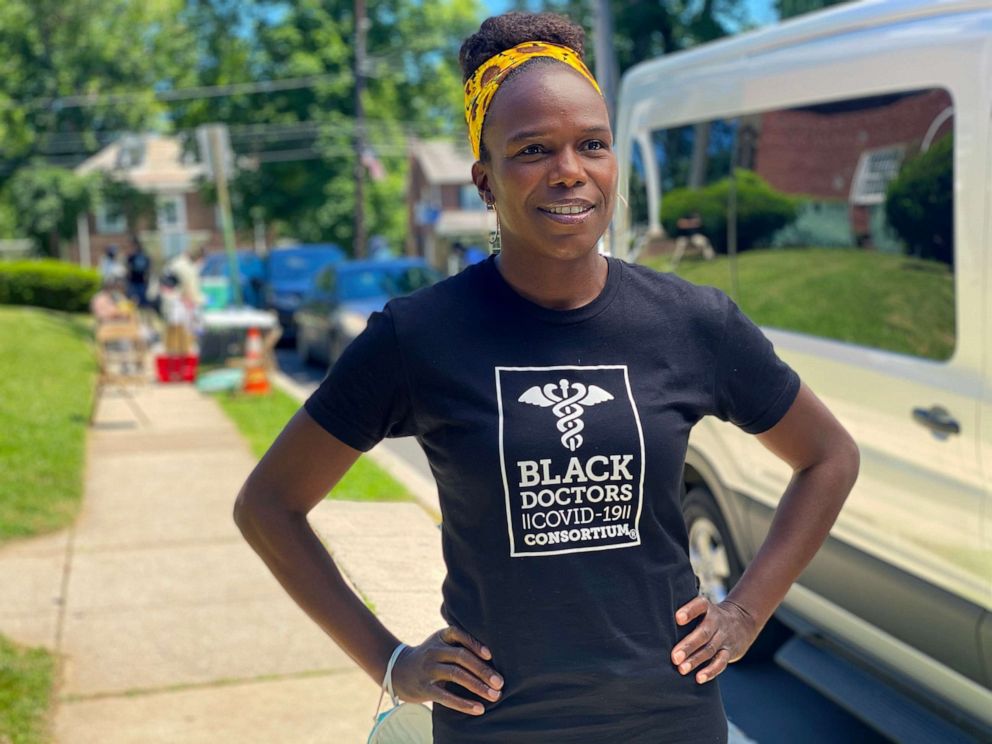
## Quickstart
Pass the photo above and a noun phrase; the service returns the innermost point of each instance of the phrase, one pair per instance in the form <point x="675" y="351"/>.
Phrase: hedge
<point x="47" y="283"/>
<point x="761" y="210"/>
<point x="919" y="203"/>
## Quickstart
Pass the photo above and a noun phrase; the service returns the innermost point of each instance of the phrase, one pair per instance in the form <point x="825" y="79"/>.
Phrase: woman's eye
<point x="531" y="150"/>
<point x="596" y="145"/>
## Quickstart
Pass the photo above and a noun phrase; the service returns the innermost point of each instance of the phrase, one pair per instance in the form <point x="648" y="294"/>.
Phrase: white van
<point x="840" y="165"/>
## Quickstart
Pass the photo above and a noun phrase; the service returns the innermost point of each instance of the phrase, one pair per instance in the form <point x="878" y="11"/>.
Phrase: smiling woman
<point x="553" y="390"/>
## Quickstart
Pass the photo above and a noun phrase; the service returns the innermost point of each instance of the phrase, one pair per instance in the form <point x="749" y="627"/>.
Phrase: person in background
<point x="110" y="304"/>
<point x="110" y="267"/>
<point x="138" y="270"/>
<point x="182" y="301"/>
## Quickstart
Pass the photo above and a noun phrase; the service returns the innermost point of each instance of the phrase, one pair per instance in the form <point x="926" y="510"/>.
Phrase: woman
<point x="553" y="390"/>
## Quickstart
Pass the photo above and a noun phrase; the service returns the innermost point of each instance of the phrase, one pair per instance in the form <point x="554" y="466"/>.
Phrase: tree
<point x="792" y="8"/>
<point x="123" y="199"/>
<point x="55" y="50"/>
<point x="47" y="201"/>
<point x="413" y="88"/>
<point x="919" y="203"/>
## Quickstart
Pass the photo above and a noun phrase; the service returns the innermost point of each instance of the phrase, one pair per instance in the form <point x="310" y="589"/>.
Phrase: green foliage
<point x="919" y="203"/>
<point x="124" y="199"/>
<point x="878" y="300"/>
<point x="413" y="87"/>
<point x="47" y="283"/>
<point x="47" y="200"/>
<point x="56" y="48"/>
<point x="27" y="677"/>
<point x="261" y="418"/>
<point x="761" y="210"/>
<point x="792" y="8"/>
<point x="47" y="371"/>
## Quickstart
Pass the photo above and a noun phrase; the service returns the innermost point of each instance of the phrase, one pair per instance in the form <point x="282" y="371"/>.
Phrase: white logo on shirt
<point x="567" y="406"/>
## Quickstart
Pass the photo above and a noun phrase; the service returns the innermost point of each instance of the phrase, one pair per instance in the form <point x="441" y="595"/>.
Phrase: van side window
<point x="837" y="219"/>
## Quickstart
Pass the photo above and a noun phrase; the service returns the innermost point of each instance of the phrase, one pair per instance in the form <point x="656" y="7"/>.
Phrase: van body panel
<point x="910" y="556"/>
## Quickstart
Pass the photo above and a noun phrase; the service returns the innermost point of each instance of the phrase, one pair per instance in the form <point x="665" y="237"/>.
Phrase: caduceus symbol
<point x="567" y="400"/>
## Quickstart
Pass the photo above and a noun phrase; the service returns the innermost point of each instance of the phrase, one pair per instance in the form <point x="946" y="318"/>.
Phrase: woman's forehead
<point x="546" y="97"/>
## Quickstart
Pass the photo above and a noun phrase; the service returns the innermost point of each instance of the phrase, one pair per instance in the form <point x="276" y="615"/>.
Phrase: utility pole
<point x="216" y="140"/>
<point x="606" y="63"/>
<point x="361" y="23"/>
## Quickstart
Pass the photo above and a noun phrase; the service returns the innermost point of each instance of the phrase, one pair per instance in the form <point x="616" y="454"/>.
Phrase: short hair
<point x="499" y="33"/>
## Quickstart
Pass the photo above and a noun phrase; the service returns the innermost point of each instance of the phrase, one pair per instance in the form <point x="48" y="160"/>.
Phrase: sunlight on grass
<point x="261" y="418"/>
<point x="26" y="677"/>
<point x="47" y="374"/>
<point x="879" y="300"/>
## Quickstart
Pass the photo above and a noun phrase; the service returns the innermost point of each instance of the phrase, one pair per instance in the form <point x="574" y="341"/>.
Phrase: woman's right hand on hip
<point x="449" y="655"/>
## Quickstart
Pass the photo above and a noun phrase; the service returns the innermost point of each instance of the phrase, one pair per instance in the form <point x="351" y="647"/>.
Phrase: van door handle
<point x="937" y="419"/>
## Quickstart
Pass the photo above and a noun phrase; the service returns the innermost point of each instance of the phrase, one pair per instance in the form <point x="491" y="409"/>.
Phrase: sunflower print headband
<point x="485" y="81"/>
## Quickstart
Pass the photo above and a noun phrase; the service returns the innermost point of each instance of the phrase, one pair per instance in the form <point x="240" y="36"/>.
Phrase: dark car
<point x="344" y="295"/>
<point x="291" y="273"/>
<point x="215" y="275"/>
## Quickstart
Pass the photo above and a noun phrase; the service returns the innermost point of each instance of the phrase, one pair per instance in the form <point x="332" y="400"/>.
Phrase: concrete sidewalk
<point x="170" y="627"/>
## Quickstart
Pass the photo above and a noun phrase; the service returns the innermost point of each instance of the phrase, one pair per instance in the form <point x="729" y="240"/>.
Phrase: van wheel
<point x="717" y="565"/>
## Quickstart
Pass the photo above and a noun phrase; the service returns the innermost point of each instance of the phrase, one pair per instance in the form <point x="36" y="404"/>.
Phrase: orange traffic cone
<point x="256" y="381"/>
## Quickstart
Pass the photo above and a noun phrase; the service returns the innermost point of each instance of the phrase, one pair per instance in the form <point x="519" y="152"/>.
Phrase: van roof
<point x="834" y="21"/>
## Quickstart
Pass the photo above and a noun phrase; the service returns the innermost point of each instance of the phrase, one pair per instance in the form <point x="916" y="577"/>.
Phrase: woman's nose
<point x="567" y="169"/>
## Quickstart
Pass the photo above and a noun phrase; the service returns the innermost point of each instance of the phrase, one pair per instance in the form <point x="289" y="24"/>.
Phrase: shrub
<point x="47" y="283"/>
<point x="919" y="203"/>
<point x="761" y="210"/>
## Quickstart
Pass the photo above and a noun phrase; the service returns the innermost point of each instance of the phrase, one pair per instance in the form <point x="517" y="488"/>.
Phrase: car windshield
<point x="291" y="265"/>
<point x="383" y="281"/>
<point x="361" y="284"/>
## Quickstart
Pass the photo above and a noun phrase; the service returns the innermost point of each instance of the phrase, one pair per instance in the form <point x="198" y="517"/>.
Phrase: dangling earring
<point x="494" y="236"/>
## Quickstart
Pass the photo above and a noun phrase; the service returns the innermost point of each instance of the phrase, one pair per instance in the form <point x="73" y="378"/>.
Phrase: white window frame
<point x="876" y="170"/>
<point x="107" y="226"/>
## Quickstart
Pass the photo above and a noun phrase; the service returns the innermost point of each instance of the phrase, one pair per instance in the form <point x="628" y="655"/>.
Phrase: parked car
<point x="291" y="273"/>
<point x="215" y="277"/>
<point x="344" y="295"/>
<point x="840" y="163"/>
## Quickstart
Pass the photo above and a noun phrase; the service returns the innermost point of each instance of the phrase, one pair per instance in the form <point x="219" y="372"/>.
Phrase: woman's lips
<point x="567" y="219"/>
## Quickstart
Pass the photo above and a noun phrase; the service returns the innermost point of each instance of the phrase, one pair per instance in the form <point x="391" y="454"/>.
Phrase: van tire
<point x="720" y="566"/>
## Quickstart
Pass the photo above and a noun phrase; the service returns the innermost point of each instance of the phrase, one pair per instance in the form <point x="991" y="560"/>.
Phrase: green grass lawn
<point x="47" y="374"/>
<point x="26" y="679"/>
<point x="873" y="299"/>
<point x="261" y="418"/>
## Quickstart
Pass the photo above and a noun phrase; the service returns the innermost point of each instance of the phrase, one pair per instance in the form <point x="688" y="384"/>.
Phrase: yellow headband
<point x="482" y="86"/>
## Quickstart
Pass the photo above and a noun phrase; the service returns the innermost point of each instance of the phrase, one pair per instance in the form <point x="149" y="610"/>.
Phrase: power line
<point x="183" y="94"/>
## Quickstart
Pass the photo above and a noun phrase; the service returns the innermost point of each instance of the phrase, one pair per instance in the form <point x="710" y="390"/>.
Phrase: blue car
<point x="215" y="275"/>
<point x="291" y="273"/>
<point x="343" y="296"/>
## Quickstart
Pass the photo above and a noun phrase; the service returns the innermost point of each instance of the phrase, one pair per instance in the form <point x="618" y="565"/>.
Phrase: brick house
<point x="443" y="205"/>
<point x="156" y="164"/>
<point x="845" y="154"/>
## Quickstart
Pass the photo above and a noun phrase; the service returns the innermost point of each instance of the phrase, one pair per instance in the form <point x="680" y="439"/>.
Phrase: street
<point x="767" y="703"/>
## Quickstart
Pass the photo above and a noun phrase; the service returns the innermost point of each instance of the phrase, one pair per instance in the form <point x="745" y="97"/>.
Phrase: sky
<point x="762" y="12"/>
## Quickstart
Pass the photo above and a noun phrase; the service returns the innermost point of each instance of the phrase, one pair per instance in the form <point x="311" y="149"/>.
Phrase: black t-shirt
<point x="557" y="439"/>
<point x="138" y="267"/>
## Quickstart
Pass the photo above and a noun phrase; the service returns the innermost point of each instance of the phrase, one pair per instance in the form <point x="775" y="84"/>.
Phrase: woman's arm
<point x="300" y="468"/>
<point x="825" y="460"/>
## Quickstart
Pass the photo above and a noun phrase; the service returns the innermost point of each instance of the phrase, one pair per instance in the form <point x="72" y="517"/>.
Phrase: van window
<point x="836" y="219"/>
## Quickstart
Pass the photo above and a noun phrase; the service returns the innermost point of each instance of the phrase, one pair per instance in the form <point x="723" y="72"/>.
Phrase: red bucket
<point x="172" y="368"/>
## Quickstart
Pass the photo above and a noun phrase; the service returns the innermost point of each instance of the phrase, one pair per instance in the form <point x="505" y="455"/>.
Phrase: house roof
<point x="443" y="162"/>
<point x="151" y="162"/>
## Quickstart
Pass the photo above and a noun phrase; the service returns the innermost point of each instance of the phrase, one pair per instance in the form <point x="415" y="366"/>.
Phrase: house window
<point x="171" y="213"/>
<point x="876" y="170"/>
<point x="109" y="222"/>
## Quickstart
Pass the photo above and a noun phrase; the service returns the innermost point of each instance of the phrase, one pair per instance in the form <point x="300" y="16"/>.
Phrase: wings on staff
<point x="535" y="397"/>
<point x="595" y="395"/>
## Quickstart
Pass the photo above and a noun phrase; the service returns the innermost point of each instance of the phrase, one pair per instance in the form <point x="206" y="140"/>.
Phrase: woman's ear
<point x="481" y="180"/>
